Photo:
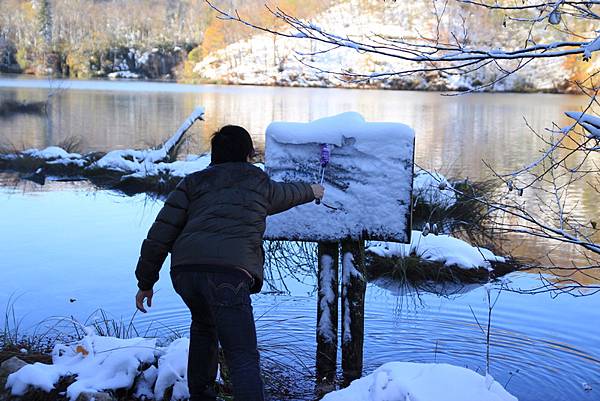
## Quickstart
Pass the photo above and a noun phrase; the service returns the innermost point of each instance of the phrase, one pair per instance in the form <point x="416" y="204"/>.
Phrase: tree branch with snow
<point x="451" y="50"/>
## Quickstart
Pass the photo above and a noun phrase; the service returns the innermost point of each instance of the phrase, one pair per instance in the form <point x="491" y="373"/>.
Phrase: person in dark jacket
<point x="213" y="224"/>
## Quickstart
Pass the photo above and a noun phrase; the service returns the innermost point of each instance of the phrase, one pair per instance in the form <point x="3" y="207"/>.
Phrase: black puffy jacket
<point x="217" y="217"/>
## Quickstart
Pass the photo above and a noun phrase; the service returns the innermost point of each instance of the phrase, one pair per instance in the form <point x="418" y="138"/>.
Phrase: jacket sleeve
<point x="286" y="195"/>
<point x="166" y="228"/>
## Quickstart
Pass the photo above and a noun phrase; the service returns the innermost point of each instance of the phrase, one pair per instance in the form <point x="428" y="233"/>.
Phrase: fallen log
<point x="129" y="171"/>
<point x="142" y="161"/>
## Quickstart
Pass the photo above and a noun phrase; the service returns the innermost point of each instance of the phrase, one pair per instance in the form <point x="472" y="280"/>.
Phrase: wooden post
<point x="327" y="312"/>
<point x="354" y="285"/>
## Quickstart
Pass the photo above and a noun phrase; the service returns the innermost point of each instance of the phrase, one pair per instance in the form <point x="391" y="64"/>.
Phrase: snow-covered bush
<point x="443" y="249"/>
<point x="433" y="189"/>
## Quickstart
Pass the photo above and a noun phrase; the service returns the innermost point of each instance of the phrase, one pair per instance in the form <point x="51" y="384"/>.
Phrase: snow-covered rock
<point x="95" y="396"/>
<point x="405" y="381"/>
<point x="438" y="248"/>
<point x="368" y="178"/>
<point x="37" y="375"/>
<point x="144" y="386"/>
<point x="11" y="365"/>
<point x="8" y="367"/>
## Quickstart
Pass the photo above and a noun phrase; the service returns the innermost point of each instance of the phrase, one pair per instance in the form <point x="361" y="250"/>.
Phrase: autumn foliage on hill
<point x="66" y="36"/>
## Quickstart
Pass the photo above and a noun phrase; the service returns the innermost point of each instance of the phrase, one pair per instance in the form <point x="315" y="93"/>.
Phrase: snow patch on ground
<point x="438" y="248"/>
<point x="405" y="381"/>
<point x="172" y="370"/>
<point x="109" y="363"/>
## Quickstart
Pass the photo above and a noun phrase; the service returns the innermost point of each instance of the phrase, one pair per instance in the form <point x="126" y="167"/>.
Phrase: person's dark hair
<point x="231" y="143"/>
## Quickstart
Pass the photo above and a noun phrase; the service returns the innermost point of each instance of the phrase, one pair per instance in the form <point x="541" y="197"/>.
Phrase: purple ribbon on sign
<point x="325" y="154"/>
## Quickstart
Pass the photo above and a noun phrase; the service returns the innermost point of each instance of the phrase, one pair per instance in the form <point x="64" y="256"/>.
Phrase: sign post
<point x="327" y="311"/>
<point x="368" y="177"/>
<point x="354" y="286"/>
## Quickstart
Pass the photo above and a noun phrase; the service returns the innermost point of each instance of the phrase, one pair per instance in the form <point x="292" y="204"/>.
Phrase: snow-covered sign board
<point x="368" y="181"/>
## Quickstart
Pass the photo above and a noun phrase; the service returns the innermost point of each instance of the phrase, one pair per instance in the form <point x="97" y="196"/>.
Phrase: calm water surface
<point x="64" y="242"/>
<point x="454" y="133"/>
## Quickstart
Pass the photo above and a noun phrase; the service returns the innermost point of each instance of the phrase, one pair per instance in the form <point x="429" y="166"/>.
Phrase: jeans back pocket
<point x="229" y="289"/>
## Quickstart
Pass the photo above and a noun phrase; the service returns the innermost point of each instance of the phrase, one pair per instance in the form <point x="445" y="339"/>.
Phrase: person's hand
<point x="318" y="191"/>
<point x="139" y="299"/>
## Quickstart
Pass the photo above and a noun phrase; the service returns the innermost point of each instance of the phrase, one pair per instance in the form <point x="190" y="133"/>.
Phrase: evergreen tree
<point x="44" y="17"/>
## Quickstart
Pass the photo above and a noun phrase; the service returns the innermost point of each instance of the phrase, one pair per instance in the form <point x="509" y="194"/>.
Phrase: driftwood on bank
<point x="129" y="171"/>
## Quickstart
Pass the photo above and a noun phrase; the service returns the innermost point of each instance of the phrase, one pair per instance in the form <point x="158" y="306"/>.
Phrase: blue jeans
<point x="221" y="313"/>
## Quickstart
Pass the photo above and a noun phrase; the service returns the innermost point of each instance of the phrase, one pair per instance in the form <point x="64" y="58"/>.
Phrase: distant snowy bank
<point x="264" y="59"/>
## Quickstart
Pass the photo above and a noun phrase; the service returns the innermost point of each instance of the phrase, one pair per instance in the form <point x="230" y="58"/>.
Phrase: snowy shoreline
<point x="101" y="366"/>
<point x="288" y="84"/>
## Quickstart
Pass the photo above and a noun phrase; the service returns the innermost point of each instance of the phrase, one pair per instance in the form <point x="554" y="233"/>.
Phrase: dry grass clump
<point x="468" y="218"/>
<point x="416" y="272"/>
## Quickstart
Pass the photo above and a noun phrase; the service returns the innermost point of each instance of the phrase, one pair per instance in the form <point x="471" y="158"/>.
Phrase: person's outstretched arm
<point x="286" y="195"/>
<point x="166" y="228"/>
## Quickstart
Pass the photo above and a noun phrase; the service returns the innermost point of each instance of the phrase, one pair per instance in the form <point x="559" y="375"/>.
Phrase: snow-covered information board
<point x="368" y="180"/>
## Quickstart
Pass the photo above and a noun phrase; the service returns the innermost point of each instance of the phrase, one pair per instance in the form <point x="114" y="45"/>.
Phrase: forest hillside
<point x="184" y="40"/>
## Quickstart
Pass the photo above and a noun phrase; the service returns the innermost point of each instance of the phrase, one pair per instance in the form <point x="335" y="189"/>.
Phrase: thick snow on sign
<point x="368" y="181"/>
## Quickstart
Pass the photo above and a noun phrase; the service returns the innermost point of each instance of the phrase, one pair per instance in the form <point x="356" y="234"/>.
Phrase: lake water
<point x="67" y="250"/>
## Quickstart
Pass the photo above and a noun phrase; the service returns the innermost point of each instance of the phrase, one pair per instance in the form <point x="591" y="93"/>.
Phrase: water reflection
<point x="64" y="241"/>
<point x="454" y="133"/>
